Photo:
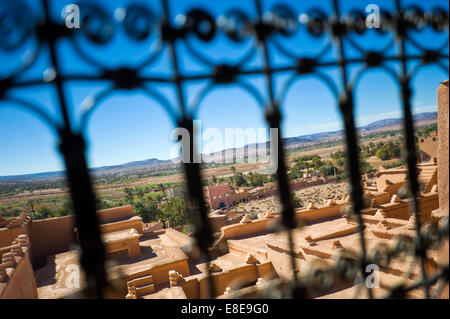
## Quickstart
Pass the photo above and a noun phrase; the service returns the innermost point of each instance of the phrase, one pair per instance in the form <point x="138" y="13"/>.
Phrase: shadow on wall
<point x="50" y="236"/>
<point x="56" y="235"/>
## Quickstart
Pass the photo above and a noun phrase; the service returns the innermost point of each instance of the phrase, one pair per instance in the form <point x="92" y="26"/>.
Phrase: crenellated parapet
<point x="19" y="221"/>
<point x="140" y="286"/>
<point x="15" y="267"/>
<point x="175" y="278"/>
<point x="12" y="255"/>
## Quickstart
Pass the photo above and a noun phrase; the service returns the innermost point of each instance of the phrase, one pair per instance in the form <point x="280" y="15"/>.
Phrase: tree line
<point x="239" y="179"/>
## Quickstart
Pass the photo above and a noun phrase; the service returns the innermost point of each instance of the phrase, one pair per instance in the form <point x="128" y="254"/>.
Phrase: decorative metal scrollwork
<point x="261" y="33"/>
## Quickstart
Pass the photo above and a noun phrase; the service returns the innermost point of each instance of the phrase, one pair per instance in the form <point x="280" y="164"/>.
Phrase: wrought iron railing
<point x="267" y="28"/>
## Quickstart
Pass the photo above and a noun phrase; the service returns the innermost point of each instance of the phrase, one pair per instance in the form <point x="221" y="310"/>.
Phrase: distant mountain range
<point x="155" y="164"/>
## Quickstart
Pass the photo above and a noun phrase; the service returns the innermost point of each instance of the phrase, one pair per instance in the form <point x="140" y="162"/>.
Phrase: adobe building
<point x="223" y="196"/>
<point x="428" y="147"/>
<point x="239" y="195"/>
<point x="219" y="196"/>
<point x="443" y="175"/>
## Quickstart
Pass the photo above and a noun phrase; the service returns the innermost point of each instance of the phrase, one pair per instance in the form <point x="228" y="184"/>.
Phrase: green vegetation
<point x="383" y="151"/>
<point x="48" y="212"/>
<point x="133" y="177"/>
<point x="314" y="146"/>
<point x="154" y="186"/>
<point x="339" y="159"/>
<point x="425" y="131"/>
<point x="252" y="215"/>
<point x="154" y="206"/>
<point x="394" y="164"/>
<point x="251" y="179"/>
<point x="337" y="166"/>
<point x="305" y="164"/>
<point x="13" y="188"/>
<point x="296" y="201"/>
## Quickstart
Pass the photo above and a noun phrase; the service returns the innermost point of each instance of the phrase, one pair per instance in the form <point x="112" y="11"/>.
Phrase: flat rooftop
<point x="57" y="278"/>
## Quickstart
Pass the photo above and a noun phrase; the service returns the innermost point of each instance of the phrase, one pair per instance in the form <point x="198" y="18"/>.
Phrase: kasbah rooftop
<point x="38" y="258"/>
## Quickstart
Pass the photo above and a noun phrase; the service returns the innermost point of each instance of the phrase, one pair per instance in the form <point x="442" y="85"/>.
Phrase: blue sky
<point x="129" y="126"/>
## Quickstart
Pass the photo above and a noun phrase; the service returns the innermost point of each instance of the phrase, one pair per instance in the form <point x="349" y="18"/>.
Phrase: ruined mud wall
<point x="115" y="214"/>
<point x="160" y="272"/>
<point x="443" y="163"/>
<point x="50" y="236"/>
<point x="16" y="273"/>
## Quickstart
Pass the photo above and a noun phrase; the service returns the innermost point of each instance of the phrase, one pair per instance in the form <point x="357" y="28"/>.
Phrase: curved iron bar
<point x="153" y="57"/>
<point x="197" y="55"/>
<point x="250" y="54"/>
<point x="441" y="285"/>
<point x="212" y="86"/>
<point x="31" y="58"/>
<point x="33" y="108"/>
<point x="415" y="69"/>
<point x="91" y="103"/>
<point x="389" y="45"/>
<point x="421" y="283"/>
<point x="293" y="56"/>
<point x="410" y="271"/>
<point x="442" y="66"/>
<point x="163" y="101"/>
<point x="28" y="63"/>
<point x="206" y="61"/>
<point x="102" y="67"/>
<point x="354" y="82"/>
<point x="296" y="77"/>
<point x="253" y="92"/>
<point x="313" y="32"/>
<point x="359" y="283"/>
<point x="422" y="48"/>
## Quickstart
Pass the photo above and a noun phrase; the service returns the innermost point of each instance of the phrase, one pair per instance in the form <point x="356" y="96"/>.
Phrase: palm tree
<point x="162" y="188"/>
<point x="129" y="194"/>
<point x="233" y="169"/>
<point x="251" y="178"/>
<point x="296" y="201"/>
<point x="167" y="213"/>
<point x="140" y="193"/>
<point x="31" y="203"/>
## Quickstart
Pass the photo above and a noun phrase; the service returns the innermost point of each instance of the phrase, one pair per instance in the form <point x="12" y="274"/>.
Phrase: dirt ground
<point x="317" y="195"/>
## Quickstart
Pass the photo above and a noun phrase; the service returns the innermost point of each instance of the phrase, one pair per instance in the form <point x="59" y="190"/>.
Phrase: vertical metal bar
<point x="174" y="60"/>
<point x="194" y="185"/>
<point x="411" y="159"/>
<point x="72" y="147"/>
<point x="347" y="107"/>
<point x="274" y="118"/>
<point x="202" y="233"/>
<point x="92" y="257"/>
